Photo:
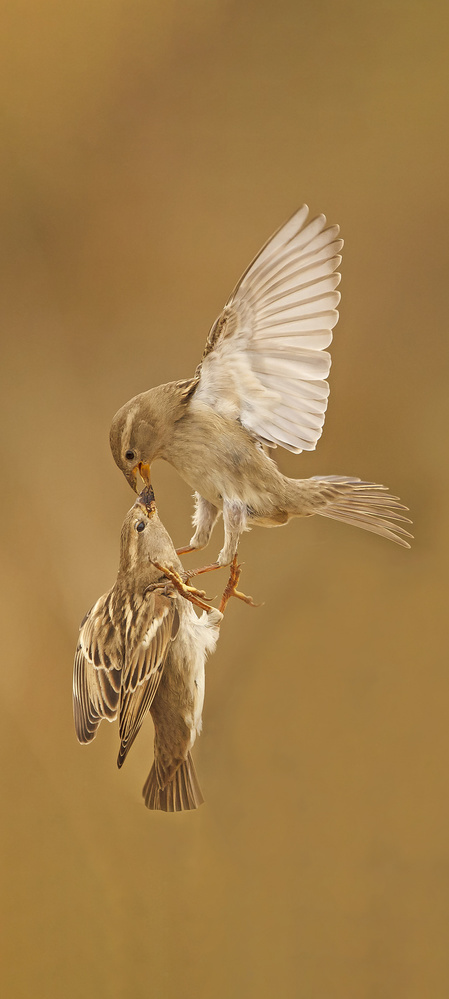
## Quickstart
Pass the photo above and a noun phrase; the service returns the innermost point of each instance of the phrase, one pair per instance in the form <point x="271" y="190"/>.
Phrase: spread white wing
<point x="265" y="362"/>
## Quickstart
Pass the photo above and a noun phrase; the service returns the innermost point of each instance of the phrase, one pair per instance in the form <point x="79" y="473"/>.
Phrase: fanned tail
<point x="181" y="794"/>
<point x="363" y="504"/>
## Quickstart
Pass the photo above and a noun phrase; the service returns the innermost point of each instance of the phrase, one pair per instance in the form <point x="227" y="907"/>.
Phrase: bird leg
<point x="235" y="514"/>
<point x="230" y="588"/>
<point x="195" y="596"/>
<point x="234" y="518"/>
<point x="204" y="519"/>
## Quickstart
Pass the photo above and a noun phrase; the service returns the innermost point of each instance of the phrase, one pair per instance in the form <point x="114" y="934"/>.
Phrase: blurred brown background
<point x="148" y="150"/>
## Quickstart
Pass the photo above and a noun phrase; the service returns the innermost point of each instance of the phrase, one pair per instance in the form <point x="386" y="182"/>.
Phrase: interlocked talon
<point x="195" y="596"/>
<point x="230" y="588"/>
<point x="186" y="550"/>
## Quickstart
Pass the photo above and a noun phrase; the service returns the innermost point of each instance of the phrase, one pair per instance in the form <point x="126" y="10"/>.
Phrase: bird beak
<point x="147" y="501"/>
<point x="145" y="473"/>
<point x="132" y="475"/>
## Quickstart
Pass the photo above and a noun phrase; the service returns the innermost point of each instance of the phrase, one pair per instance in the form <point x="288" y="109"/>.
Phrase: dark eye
<point x="130" y="455"/>
<point x="140" y="526"/>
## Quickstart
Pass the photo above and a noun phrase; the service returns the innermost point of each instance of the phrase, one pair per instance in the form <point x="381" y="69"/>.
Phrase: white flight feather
<point x="269" y="365"/>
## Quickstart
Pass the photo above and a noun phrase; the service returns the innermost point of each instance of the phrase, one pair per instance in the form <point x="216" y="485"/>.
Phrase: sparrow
<point x="261" y="383"/>
<point x="143" y="648"/>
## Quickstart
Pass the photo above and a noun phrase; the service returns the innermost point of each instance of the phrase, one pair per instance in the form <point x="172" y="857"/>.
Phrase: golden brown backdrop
<point x="148" y="150"/>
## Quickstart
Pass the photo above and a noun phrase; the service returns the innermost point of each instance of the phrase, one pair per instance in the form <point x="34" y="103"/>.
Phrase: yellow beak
<point x="132" y="475"/>
<point x="145" y="472"/>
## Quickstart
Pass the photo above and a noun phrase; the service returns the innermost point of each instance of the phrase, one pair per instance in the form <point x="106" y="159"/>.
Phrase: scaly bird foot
<point x="195" y="596"/>
<point x="230" y="588"/>
<point x="204" y="568"/>
<point x="186" y="550"/>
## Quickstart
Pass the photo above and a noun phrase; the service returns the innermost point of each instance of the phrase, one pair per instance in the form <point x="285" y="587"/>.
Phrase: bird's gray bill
<point x="146" y="500"/>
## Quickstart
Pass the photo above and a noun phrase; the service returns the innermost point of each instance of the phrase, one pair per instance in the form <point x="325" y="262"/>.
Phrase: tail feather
<point x="362" y="504"/>
<point x="181" y="794"/>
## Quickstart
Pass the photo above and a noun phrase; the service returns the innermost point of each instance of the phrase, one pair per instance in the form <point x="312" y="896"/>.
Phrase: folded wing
<point x="96" y="671"/>
<point x="144" y="664"/>
<point x="265" y="361"/>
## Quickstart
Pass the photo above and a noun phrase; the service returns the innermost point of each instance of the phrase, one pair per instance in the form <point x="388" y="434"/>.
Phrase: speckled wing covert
<point x="97" y="670"/>
<point x="155" y="626"/>
<point x="265" y="361"/>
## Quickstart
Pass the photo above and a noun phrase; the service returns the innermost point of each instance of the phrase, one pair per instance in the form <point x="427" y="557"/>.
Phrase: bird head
<point x="143" y="428"/>
<point x="144" y="537"/>
<point x="132" y="440"/>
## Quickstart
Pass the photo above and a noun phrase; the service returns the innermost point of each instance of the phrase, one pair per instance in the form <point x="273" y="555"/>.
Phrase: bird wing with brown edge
<point x="96" y="671"/>
<point x="265" y="361"/>
<point x="144" y="663"/>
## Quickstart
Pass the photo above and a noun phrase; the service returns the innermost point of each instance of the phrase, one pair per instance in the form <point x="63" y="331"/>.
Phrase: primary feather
<point x="268" y="345"/>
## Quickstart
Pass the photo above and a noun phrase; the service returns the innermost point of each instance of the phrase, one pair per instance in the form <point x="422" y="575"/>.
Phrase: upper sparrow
<point x="143" y="648"/>
<point x="261" y="381"/>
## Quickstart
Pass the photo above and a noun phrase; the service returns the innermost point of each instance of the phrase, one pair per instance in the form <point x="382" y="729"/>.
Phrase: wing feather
<point x="144" y="665"/>
<point x="307" y="267"/>
<point x="265" y="361"/>
<point x="302" y="273"/>
<point x="96" y="671"/>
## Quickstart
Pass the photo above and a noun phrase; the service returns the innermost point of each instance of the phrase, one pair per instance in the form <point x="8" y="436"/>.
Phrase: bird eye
<point x="140" y="526"/>
<point x="130" y="455"/>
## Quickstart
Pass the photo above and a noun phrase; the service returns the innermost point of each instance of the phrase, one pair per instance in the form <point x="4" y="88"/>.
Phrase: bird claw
<point x="197" y="597"/>
<point x="230" y="588"/>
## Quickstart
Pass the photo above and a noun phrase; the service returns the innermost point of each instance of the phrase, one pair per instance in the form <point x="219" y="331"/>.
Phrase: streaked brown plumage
<point x="261" y="381"/>
<point x="143" y="648"/>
